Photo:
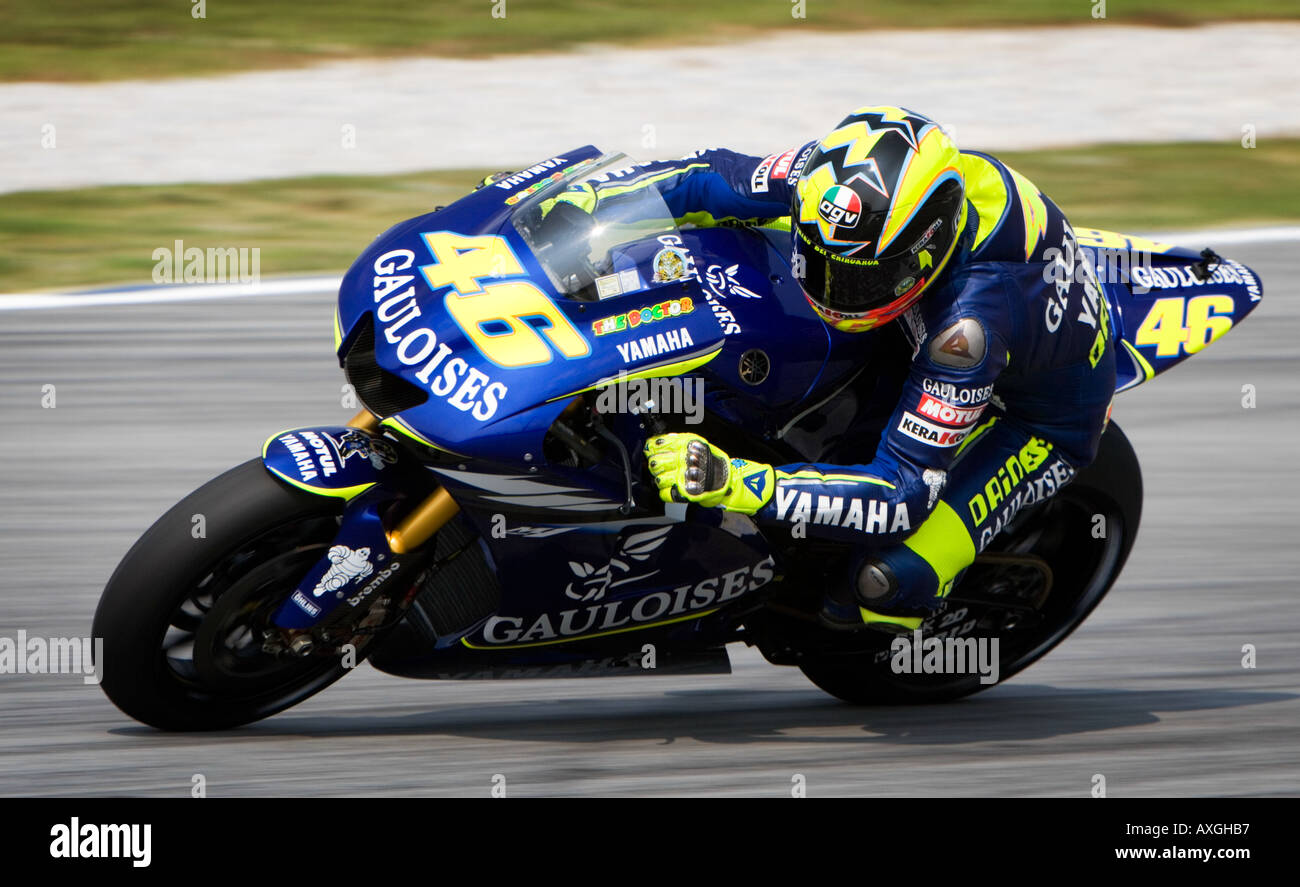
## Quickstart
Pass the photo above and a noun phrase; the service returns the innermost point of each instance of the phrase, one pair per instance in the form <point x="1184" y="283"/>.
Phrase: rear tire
<point x="261" y="537"/>
<point x="1059" y="531"/>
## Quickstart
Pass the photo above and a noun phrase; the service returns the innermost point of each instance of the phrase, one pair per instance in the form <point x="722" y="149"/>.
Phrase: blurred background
<point x="303" y="129"/>
<point x="306" y="128"/>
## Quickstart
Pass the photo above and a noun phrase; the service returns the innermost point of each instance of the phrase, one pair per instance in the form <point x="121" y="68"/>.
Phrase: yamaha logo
<point x="840" y="206"/>
<point x="754" y="367"/>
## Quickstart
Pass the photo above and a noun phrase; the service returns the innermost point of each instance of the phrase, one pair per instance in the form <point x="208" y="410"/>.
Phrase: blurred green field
<point x="112" y="39"/>
<point x="62" y="239"/>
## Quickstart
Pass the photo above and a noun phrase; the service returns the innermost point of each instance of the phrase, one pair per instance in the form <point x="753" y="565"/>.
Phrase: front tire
<point x="176" y="614"/>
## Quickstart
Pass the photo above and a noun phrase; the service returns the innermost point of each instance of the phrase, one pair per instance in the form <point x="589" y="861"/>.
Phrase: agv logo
<point x="840" y="206"/>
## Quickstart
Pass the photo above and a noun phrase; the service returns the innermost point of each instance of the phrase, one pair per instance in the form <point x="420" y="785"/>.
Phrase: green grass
<point x="105" y="235"/>
<point x="112" y="39"/>
<point x="62" y="239"/>
<point x="1169" y="186"/>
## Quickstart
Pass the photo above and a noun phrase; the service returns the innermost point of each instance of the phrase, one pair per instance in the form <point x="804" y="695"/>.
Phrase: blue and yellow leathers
<point x="1008" y="390"/>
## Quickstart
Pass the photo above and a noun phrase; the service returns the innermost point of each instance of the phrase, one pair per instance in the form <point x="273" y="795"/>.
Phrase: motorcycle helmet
<point x="877" y="212"/>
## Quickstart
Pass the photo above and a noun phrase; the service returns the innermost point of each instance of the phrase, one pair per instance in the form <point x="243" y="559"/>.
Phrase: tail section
<point x="1167" y="302"/>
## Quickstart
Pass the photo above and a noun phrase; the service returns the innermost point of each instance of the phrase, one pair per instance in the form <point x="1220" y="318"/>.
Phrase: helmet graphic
<point x="877" y="212"/>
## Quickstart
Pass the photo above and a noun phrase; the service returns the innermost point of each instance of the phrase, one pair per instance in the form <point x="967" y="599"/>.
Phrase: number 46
<point x="512" y="323"/>
<point x="1174" y="330"/>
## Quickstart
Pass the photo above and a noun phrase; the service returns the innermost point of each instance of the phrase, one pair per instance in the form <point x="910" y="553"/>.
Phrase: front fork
<point x="364" y="558"/>
<point x="426" y="518"/>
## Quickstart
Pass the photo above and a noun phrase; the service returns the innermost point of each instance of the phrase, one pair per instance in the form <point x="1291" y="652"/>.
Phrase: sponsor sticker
<point x="629" y="320"/>
<point x="925" y="238"/>
<point x="797" y="169"/>
<point x="758" y="182"/>
<point x="840" y="206"/>
<point x="670" y="264"/>
<point x="464" y="387"/>
<point x="851" y="512"/>
<point x="936" y="436"/>
<point x="948" y="414"/>
<point x="683" y="602"/>
<point x="960" y="345"/>
<point x="954" y="394"/>
<point x="346" y="565"/>
<point x="301" y="600"/>
<point x="655" y="344"/>
<point x="781" y="168"/>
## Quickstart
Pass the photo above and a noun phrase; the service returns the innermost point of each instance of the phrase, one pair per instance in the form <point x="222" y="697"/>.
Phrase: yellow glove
<point x="687" y="468"/>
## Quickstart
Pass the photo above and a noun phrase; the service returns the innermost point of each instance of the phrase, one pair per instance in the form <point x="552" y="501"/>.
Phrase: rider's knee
<point x="896" y="579"/>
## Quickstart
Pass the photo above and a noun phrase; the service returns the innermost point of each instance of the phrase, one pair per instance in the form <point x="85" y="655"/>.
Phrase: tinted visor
<point x="854" y="286"/>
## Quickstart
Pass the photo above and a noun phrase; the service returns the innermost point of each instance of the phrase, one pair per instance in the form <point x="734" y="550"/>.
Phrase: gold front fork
<point x="426" y="518"/>
<point x="366" y="421"/>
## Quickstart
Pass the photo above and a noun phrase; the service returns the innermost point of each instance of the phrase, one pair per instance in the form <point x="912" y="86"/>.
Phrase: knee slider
<point x="897" y="579"/>
<point x="876" y="585"/>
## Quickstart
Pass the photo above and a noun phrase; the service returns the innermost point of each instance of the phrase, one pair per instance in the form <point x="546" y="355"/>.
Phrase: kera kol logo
<point x="840" y="206"/>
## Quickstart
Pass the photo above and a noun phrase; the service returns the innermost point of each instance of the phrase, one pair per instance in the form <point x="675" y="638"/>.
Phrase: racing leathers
<point x="1005" y="399"/>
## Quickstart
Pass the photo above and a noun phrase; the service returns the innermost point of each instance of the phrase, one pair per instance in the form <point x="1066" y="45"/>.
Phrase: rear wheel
<point x="182" y="618"/>
<point x="1034" y="585"/>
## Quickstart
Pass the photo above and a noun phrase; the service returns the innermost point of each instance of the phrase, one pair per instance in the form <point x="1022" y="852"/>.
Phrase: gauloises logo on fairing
<point x="626" y="614"/>
<point x="630" y="320"/>
<point x="461" y="385"/>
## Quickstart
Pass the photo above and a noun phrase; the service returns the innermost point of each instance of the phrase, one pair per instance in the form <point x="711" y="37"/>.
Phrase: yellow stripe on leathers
<point x="943" y="543"/>
<point x="986" y="190"/>
<point x="1033" y="211"/>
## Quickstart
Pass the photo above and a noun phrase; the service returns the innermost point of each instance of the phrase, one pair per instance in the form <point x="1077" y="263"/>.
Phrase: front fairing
<point x="710" y="300"/>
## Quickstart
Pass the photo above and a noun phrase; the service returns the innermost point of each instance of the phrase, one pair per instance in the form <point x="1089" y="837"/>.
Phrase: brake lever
<point x="630" y="504"/>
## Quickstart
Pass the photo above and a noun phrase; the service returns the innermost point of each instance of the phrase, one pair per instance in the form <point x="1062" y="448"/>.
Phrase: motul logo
<point x="947" y="413"/>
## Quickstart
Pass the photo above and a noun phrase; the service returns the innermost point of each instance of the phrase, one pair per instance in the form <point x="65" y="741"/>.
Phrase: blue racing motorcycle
<point x="488" y="514"/>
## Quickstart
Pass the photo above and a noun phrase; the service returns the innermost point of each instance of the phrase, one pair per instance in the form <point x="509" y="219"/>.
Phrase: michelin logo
<point x="346" y="565"/>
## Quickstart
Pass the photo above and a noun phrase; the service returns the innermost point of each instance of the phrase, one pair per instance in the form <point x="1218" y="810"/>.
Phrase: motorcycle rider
<point x="1011" y="369"/>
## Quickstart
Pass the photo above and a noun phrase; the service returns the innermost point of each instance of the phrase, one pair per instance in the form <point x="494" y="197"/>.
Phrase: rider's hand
<point x="687" y="468"/>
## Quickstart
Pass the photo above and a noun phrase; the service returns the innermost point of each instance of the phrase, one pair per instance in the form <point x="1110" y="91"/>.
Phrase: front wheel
<point x="183" y="616"/>
<point x="1038" y="581"/>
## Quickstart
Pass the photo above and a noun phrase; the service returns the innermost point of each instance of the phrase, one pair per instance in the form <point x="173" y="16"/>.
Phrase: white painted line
<point x="1229" y="236"/>
<point x="302" y="285"/>
<point x="170" y="293"/>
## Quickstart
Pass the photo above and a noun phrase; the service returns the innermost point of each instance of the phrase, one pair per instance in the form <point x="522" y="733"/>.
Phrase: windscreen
<point x="580" y="224"/>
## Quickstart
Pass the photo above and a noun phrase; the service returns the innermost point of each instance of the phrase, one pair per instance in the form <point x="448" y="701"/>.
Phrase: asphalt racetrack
<point x="153" y="400"/>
